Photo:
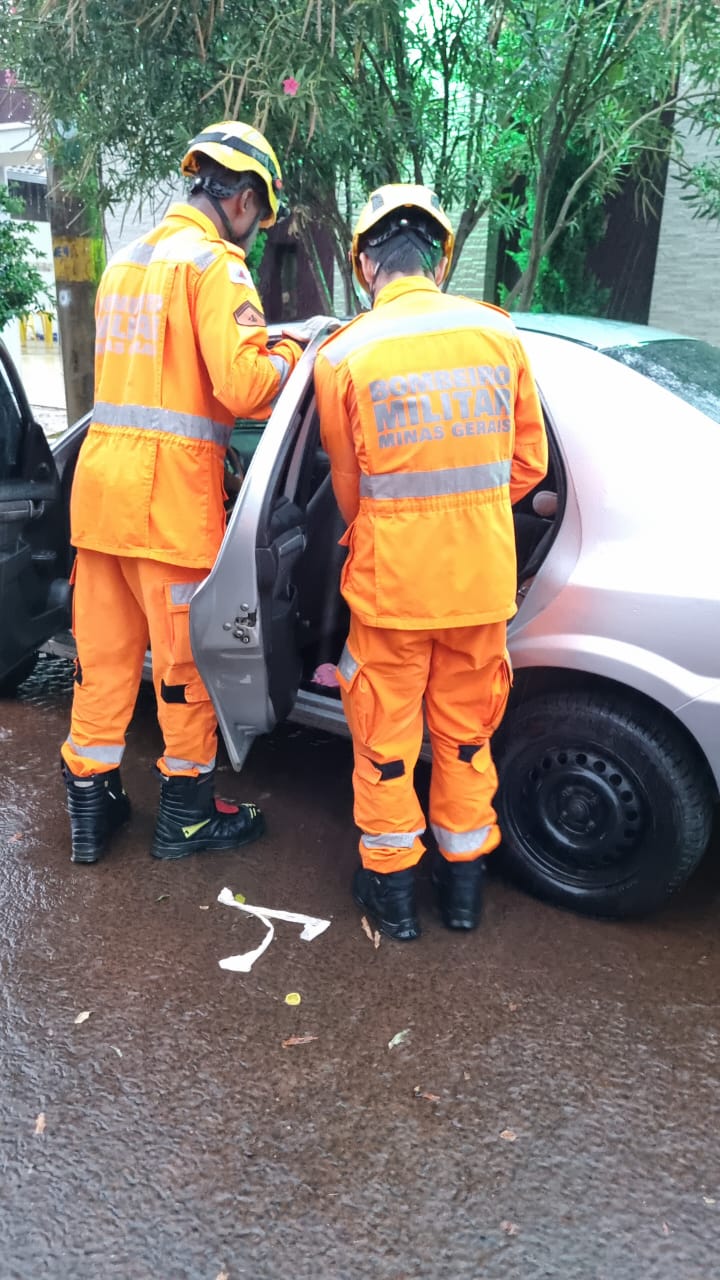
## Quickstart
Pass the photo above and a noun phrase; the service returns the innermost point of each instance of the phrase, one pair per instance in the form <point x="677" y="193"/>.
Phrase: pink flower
<point x="290" y="86"/>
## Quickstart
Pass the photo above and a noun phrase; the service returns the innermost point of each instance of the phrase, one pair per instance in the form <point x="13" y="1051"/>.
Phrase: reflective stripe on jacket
<point x="180" y="353"/>
<point x="433" y="426"/>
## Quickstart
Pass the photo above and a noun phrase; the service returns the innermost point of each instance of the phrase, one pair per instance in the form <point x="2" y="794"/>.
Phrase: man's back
<point x="174" y="367"/>
<point x="433" y="385"/>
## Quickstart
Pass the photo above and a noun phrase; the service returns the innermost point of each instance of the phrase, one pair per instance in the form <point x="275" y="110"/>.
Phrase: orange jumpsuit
<point x="181" y="352"/>
<point x="433" y="426"/>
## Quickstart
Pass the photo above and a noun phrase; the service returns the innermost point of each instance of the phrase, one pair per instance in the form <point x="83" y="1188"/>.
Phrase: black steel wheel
<point x="603" y="805"/>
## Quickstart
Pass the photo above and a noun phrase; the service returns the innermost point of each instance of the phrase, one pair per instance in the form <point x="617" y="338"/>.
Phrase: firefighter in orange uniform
<point x="433" y="426"/>
<point x="181" y="352"/>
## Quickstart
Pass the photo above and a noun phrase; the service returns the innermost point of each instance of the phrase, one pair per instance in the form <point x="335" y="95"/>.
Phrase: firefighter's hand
<point x="304" y="331"/>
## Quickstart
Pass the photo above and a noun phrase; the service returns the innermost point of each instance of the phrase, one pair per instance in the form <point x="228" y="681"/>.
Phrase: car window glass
<point x="690" y="369"/>
<point x="11" y="430"/>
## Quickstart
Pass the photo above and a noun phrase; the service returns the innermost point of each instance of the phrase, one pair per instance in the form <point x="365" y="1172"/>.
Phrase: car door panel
<point x="34" y="544"/>
<point x="244" y="616"/>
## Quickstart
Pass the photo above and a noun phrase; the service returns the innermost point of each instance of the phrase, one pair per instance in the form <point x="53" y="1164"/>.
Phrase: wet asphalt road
<point x="571" y="1066"/>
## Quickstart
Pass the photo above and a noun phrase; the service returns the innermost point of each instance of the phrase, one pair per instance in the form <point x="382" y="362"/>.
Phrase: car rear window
<point x="688" y="368"/>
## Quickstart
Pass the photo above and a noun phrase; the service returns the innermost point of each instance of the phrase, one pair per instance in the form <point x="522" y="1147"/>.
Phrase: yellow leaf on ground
<point x="509" y="1135"/>
<point x="82" y="1017"/>
<point x="293" y="998"/>
<point x="292" y="1040"/>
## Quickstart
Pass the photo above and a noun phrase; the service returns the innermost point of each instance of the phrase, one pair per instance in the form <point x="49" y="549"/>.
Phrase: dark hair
<point x="406" y="242"/>
<point x="222" y="183"/>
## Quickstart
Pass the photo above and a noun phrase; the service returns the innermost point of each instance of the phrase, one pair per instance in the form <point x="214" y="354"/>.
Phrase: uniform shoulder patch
<point x="239" y="273"/>
<point x="249" y="314"/>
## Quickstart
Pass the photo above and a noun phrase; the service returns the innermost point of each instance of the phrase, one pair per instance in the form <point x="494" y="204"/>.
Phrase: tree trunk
<point x="524" y="288"/>
<point x="77" y="259"/>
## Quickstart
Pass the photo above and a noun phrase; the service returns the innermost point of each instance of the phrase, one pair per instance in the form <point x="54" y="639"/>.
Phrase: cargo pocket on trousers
<point x="71" y="585"/>
<point x="359" y="701"/>
<point x="177" y="603"/>
<point x="181" y="681"/>
<point x="77" y="667"/>
<point x="499" y="692"/>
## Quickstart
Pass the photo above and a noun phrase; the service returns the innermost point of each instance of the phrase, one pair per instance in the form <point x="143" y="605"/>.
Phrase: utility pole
<point x="78" y="258"/>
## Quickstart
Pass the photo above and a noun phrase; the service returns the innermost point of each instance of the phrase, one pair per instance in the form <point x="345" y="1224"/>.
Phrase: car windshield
<point x="688" y="368"/>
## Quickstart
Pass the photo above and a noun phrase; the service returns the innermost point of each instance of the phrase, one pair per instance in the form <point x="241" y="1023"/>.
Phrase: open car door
<point x="34" y="537"/>
<point x="244" y="616"/>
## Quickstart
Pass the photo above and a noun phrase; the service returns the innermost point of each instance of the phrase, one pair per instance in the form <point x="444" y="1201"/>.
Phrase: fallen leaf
<point x="665" y="1229"/>
<point x="40" y="1123"/>
<point x="114" y="1046"/>
<point x="163" y="897"/>
<point x="399" y="1038"/>
<point x="239" y="897"/>
<point x="293" y="998"/>
<point x="373" y="935"/>
<point x="429" y="1097"/>
<point x="292" y="1040"/>
<point x="509" y="1135"/>
<point x="82" y="1017"/>
<point x="222" y="1275"/>
<point x="510" y="1228"/>
<point x="709" y="1200"/>
<point x="466" y="1075"/>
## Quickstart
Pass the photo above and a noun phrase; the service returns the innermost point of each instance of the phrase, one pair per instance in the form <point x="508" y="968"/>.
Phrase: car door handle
<point x="21" y="509"/>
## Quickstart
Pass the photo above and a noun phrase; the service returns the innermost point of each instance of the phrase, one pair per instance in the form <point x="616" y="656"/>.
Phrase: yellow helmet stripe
<point x="237" y="144"/>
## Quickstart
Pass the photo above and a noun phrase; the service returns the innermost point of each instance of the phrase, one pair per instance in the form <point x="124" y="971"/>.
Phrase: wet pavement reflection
<point x="552" y="1111"/>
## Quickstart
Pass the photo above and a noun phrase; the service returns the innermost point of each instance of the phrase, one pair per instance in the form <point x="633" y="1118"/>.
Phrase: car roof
<point x="592" y="332"/>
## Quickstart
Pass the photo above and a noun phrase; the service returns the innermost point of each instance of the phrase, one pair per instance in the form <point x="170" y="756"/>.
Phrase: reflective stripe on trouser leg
<point x="111" y="634"/>
<point x="185" y="712"/>
<point x="382" y="695"/>
<point x="465" y="701"/>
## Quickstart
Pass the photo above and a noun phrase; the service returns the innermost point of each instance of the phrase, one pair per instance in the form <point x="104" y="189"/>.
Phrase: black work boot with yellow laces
<point x="389" y="900"/>
<point x="97" y="806"/>
<point x="191" y="820"/>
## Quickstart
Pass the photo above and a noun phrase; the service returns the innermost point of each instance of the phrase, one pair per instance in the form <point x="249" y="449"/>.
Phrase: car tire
<point x="10" y="683"/>
<point x="604" y="805"/>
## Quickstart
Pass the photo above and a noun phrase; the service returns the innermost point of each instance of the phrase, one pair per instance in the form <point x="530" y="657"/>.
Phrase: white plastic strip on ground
<point x="312" y="928"/>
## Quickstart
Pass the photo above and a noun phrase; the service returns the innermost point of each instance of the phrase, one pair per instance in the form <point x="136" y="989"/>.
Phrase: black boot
<point x="390" y="900"/>
<point x="190" y="820"/>
<point x="459" y="888"/>
<point x="96" y="805"/>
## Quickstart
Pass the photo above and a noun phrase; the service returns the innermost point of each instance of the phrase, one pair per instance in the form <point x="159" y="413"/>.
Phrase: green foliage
<point x="21" y="286"/>
<point x="469" y="96"/>
<point x="564" y="283"/>
<point x="255" y="256"/>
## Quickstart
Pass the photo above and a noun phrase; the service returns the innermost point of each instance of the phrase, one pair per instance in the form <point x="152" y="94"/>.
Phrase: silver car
<point x="609" y="755"/>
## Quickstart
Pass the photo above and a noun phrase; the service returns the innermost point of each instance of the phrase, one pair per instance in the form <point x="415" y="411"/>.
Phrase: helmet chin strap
<point x="230" y="235"/>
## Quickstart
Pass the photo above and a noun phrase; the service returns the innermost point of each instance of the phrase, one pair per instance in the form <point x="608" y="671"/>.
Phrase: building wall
<point x="686" y="288"/>
<point x="474" y="274"/>
<point x="124" y="223"/>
